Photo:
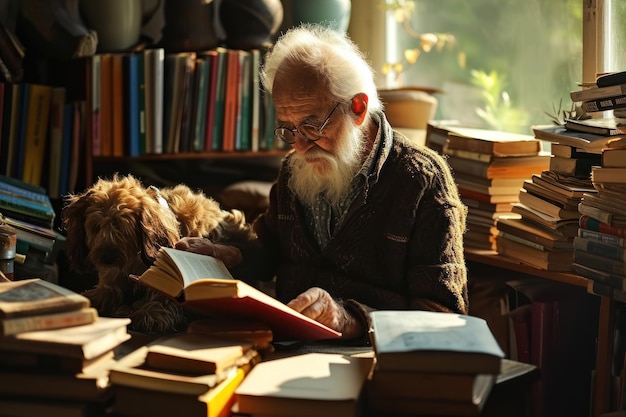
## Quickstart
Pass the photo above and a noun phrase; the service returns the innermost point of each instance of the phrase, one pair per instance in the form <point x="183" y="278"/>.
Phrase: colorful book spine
<point x="599" y="248"/>
<point x="131" y="111"/>
<point x="603" y="104"/>
<point x="589" y="223"/>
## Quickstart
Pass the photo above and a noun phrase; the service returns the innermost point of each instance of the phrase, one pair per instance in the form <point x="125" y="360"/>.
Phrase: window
<point x="513" y="61"/>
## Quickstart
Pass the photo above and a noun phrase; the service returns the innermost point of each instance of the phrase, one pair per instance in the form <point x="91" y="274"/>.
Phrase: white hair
<point x="331" y="53"/>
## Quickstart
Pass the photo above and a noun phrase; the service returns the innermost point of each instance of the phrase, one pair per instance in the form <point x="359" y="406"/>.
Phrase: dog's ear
<point x="160" y="227"/>
<point x="73" y="221"/>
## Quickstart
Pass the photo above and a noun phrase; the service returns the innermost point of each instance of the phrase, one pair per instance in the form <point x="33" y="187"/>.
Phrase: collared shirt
<point x="325" y="218"/>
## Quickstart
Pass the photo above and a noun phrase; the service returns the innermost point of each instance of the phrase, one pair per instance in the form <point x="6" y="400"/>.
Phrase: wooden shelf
<point x="494" y="259"/>
<point x="193" y="155"/>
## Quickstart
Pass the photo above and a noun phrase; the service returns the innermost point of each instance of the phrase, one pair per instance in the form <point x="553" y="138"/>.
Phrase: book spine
<point x="26" y="207"/>
<point x="599" y="262"/>
<point x="605" y="290"/>
<point x="132" y="143"/>
<point x="603" y="104"/>
<point x="590" y="223"/>
<point x="36" y="132"/>
<point x="612" y="280"/>
<point x="602" y="237"/>
<point x="596" y="93"/>
<point x="610" y="251"/>
<point x="6" y="188"/>
<point x="611" y="79"/>
<point x="596" y="213"/>
<point x="51" y="321"/>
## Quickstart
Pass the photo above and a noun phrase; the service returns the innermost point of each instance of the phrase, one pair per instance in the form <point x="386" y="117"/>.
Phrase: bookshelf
<point x="602" y="382"/>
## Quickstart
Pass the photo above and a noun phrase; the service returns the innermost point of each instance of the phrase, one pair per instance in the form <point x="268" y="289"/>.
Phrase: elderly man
<point x="359" y="218"/>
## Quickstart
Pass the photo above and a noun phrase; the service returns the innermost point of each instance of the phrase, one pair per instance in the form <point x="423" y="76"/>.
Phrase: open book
<point x="204" y="284"/>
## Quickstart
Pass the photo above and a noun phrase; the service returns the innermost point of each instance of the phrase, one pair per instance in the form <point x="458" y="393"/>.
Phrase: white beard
<point x="318" y="172"/>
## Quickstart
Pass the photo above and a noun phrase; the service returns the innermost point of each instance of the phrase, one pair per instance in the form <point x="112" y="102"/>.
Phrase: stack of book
<point x="548" y="202"/>
<point x="608" y="93"/>
<point x="599" y="248"/>
<point x="55" y="352"/>
<point x="432" y="363"/>
<point x="190" y="374"/>
<point x="489" y="168"/>
<point x="28" y="210"/>
<point x="543" y="235"/>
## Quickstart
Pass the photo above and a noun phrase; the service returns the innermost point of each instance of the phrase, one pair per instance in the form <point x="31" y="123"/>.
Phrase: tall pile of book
<point x="489" y="168"/>
<point x="194" y="373"/>
<point x="548" y="206"/>
<point x="599" y="248"/>
<point x="55" y="352"/>
<point x="432" y="363"/>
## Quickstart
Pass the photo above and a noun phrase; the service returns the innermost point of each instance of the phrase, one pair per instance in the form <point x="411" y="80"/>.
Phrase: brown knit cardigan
<point x="400" y="246"/>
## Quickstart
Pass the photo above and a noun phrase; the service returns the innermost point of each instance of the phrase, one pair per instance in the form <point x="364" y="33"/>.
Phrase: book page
<point x="193" y="266"/>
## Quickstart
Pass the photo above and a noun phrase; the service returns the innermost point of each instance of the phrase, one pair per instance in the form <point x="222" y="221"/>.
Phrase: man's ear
<point x="359" y="107"/>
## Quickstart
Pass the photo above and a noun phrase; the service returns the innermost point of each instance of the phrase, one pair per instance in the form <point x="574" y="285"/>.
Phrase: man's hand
<point x="317" y="304"/>
<point x="230" y="255"/>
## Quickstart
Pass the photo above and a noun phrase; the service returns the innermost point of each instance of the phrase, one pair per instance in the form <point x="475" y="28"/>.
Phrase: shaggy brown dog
<point x="115" y="228"/>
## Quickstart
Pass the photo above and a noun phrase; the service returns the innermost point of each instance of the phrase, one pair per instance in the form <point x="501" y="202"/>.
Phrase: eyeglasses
<point x="307" y="131"/>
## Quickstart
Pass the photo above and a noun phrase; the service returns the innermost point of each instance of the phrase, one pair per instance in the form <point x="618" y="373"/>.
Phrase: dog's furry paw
<point x="157" y="317"/>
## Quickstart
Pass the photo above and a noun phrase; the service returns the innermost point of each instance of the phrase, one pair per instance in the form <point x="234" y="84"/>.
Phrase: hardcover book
<point x="547" y="259"/>
<point x="203" y="283"/>
<point x="36" y="135"/>
<point x="433" y="407"/>
<point x="427" y="341"/>
<point x="607" y="126"/>
<point x="36" y="296"/>
<point x="573" y="167"/>
<point x="307" y="385"/>
<point x="550" y="181"/>
<point x="535" y="188"/>
<point x="614" y="158"/>
<point x="611" y="78"/>
<point x="132" y="371"/>
<point x="603" y="104"/>
<point x="428" y="385"/>
<point x="590" y="223"/>
<point x="600" y="262"/>
<point x="567" y="227"/>
<point x="610" y="175"/>
<point x="548" y="207"/>
<point x="195" y="353"/>
<point x="589" y="142"/>
<point x="501" y="167"/>
<point x="16" y="325"/>
<point x="596" y="92"/>
<point x="216" y="402"/>
<point x="613" y="280"/>
<point x="540" y="235"/>
<point x="492" y="142"/>
<point x="85" y="341"/>
<point x="41" y="362"/>
<point x="600" y="237"/>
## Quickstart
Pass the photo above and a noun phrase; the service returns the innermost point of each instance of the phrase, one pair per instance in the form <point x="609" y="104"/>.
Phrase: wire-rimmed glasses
<point x="306" y="130"/>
